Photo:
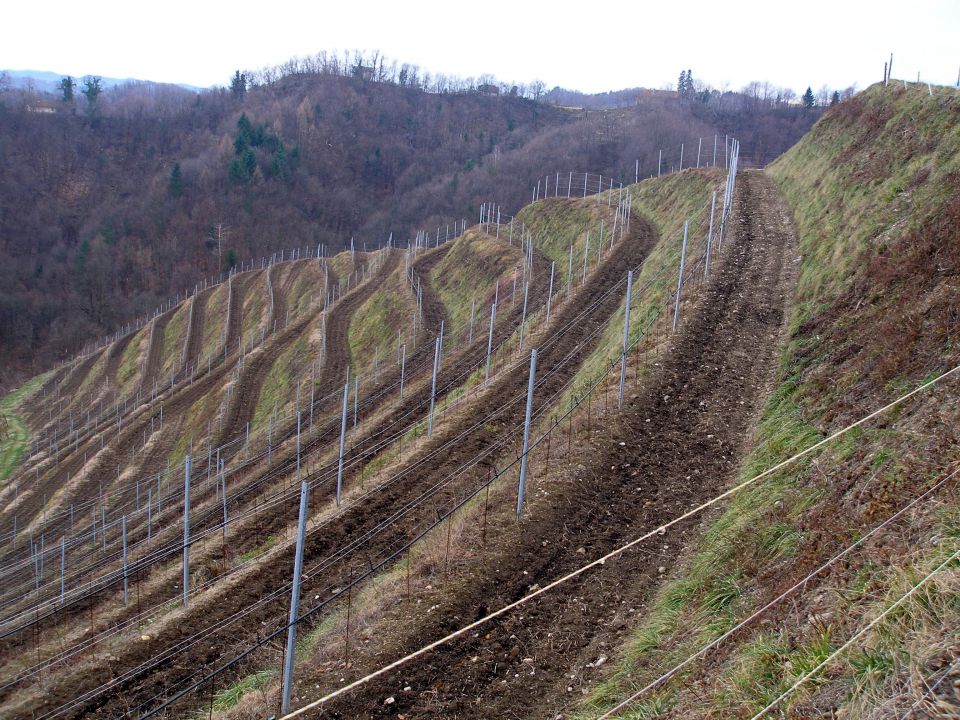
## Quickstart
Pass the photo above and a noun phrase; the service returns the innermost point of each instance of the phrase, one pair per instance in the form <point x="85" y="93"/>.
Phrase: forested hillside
<point x="110" y="206"/>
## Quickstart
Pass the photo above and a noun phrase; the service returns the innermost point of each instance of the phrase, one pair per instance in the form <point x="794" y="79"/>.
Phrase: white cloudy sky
<point x="589" y="46"/>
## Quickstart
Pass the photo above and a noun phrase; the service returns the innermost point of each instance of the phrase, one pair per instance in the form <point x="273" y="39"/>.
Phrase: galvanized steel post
<point x="550" y="292"/>
<point x="493" y="317"/>
<point x="123" y="531"/>
<point x="186" y="530"/>
<point x="523" y="319"/>
<point x="683" y="256"/>
<point x="521" y="490"/>
<point x="626" y="338"/>
<point x="294" y="601"/>
<point x="403" y="368"/>
<point x="343" y="434"/>
<point x="713" y="205"/>
<point x="433" y="386"/>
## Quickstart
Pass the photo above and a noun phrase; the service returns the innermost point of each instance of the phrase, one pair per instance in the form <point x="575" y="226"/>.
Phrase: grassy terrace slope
<point x="623" y="473"/>
<point x="467" y="275"/>
<point x="874" y="192"/>
<point x="14" y="432"/>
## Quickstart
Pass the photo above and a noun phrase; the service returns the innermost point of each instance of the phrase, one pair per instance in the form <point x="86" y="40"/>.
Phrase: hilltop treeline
<point x="108" y="207"/>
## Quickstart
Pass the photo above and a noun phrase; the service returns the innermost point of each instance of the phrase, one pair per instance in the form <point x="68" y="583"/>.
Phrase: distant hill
<point x="46" y="81"/>
<point x="607" y="100"/>
<point x="107" y="210"/>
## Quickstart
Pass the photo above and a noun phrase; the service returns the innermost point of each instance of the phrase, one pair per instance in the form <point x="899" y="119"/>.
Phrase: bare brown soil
<point x="677" y="443"/>
<point x="194" y="339"/>
<point x="433" y="310"/>
<point x="234" y="322"/>
<point x="278" y="310"/>
<point x="151" y="364"/>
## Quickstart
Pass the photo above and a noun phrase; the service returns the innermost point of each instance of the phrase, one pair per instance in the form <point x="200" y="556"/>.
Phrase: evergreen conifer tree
<point x="175" y="186"/>
<point x="66" y="87"/>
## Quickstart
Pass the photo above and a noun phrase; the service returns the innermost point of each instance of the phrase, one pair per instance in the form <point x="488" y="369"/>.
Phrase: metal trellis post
<point x="521" y="489"/>
<point x="186" y="530"/>
<point x="626" y="338"/>
<point x="294" y="601"/>
<point x="683" y="256"/>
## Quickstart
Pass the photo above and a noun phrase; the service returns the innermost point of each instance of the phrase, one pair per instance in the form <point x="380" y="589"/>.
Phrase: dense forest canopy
<point x="111" y="198"/>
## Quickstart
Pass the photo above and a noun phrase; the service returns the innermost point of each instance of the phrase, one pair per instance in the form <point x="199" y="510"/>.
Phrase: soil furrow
<point x="194" y="339"/>
<point x="278" y="308"/>
<point x="676" y="444"/>
<point x="237" y="286"/>
<point x="433" y="310"/>
<point x="151" y="364"/>
<point x="114" y="358"/>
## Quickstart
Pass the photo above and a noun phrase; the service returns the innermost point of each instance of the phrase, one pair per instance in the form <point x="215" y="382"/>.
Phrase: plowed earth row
<point x="151" y="364"/>
<point x="676" y="444"/>
<point x="194" y="339"/>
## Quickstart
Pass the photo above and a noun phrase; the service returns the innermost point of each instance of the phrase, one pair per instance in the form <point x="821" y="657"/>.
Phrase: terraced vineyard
<point x="396" y="388"/>
<point x="222" y="378"/>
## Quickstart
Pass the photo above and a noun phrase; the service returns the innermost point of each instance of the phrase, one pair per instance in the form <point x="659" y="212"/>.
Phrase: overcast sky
<point x="586" y="46"/>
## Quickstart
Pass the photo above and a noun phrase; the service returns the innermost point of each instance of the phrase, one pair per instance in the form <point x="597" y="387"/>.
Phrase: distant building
<point x="488" y="89"/>
<point x="364" y="72"/>
<point x="647" y="93"/>
<point x="44" y="107"/>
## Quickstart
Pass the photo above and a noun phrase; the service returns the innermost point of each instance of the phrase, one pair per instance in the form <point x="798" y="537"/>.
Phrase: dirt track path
<point x="236" y="291"/>
<point x="433" y="311"/>
<point x="194" y="339"/>
<point x="151" y="363"/>
<point x="683" y="436"/>
<point x="114" y="357"/>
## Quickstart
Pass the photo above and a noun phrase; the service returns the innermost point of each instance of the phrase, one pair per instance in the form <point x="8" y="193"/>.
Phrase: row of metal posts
<point x="301" y="528"/>
<point x="521" y="488"/>
<point x="526" y="290"/>
<point x="288" y="669"/>
<point x="436" y="358"/>
<point x="149" y="509"/>
<point x="536" y="194"/>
